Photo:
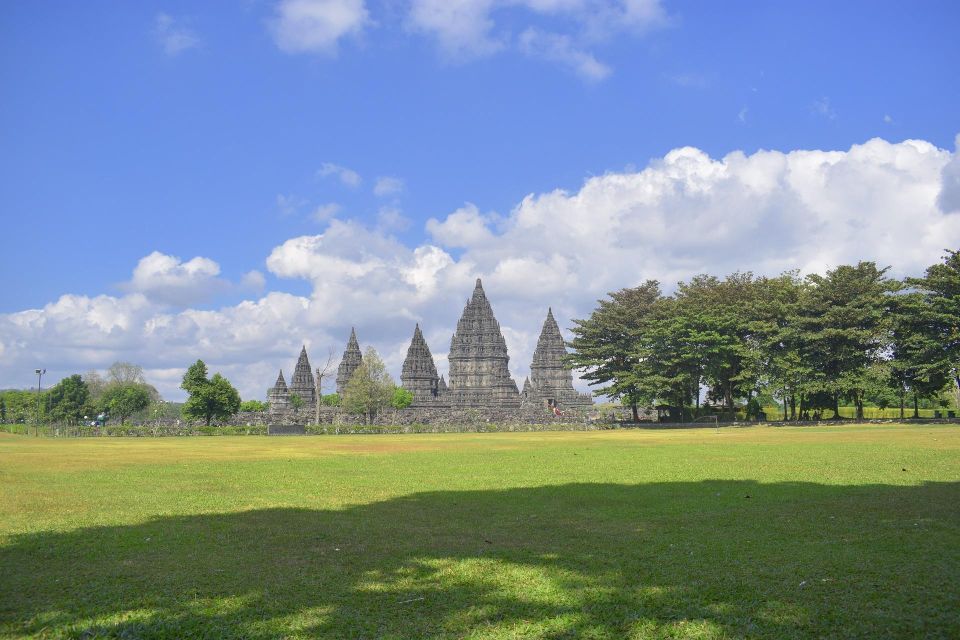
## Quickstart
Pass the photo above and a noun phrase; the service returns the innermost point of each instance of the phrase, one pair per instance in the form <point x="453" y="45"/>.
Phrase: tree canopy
<point x="209" y="399"/>
<point x="370" y="389"/>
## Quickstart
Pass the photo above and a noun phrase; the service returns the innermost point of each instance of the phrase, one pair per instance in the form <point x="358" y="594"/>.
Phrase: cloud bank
<point x="685" y="213"/>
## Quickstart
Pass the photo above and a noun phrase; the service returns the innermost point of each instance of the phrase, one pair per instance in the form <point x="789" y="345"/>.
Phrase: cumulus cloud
<point x="465" y="29"/>
<point x="949" y="198"/>
<point x="683" y="214"/>
<point x="316" y="26"/>
<point x="346" y="176"/>
<point x="167" y="280"/>
<point x="324" y="212"/>
<point x="173" y="37"/>
<point x="387" y="186"/>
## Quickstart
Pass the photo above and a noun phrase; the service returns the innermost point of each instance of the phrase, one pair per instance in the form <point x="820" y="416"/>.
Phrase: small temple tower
<point x="551" y="381"/>
<point x="278" y="395"/>
<point x="302" y="382"/>
<point x="349" y="362"/>
<point x="478" y="358"/>
<point x="419" y="373"/>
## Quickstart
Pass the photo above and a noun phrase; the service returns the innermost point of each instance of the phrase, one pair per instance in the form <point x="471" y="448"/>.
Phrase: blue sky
<point x="236" y="132"/>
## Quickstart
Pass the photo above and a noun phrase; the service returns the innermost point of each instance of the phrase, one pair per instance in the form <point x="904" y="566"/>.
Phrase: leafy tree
<point x="402" y="398"/>
<point x="209" y="398"/>
<point x="253" y="405"/>
<point x="844" y="330"/>
<point x="605" y="345"/>
<point x="296" y="402"/>
<point x="330" y="400"/>
<point x="370" y="389"/>
<point x="68" y="399"/>
<point x="96" y="385"/>
<point x="940" y="288"/>
<point x="124" y="399"/>
<point x="3" y="410"/>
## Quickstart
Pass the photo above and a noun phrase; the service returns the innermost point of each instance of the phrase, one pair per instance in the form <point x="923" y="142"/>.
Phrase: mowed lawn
<point x="839" y="532"/>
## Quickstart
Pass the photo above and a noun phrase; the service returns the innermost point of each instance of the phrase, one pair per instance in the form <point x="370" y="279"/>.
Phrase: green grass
<point x="838" y="532"/>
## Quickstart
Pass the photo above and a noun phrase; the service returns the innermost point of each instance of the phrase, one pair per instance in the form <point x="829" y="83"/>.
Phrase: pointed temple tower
<point x="349" y="362"/>
<point x="419" y="373"/>
<point x="551" y="381"/>
<point x="478" y="358"/>
<point x="278" y="395"/>
<point x="302" y="382"/>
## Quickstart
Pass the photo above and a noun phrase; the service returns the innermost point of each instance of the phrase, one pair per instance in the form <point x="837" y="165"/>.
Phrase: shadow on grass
<point x="698" y="559"/>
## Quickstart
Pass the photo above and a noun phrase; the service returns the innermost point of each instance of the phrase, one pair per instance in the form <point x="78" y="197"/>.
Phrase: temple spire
<point x="352" y="358"/>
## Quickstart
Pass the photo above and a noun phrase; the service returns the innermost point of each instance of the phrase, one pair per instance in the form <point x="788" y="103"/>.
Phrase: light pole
<point x="39" y="373"/>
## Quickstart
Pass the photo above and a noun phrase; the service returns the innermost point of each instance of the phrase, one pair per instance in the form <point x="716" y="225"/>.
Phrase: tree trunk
<point x="784" y="404"/>
<point x="636" y="414"/>
<point x="793" y="407"/>
<point x="916" y="405"/>
<point x="901" y="404"/>
<point x="836" y="406"/>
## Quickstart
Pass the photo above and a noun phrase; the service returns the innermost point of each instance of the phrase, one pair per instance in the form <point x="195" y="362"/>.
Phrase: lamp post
<point x="39" y="373"/>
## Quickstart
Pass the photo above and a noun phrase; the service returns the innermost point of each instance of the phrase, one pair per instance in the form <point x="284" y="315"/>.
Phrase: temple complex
<point x="479" y="373"/>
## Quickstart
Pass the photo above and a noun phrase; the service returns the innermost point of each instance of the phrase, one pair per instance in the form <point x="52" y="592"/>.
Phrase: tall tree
<point x="605" y="345"/>
<point x="940" y="288"/>
<point x="68" y="399"/>
<point x="124" y="399"/>
<point x="844" y="330"/>
<point x="370" y="389"/>
<point x="209" y="398"/>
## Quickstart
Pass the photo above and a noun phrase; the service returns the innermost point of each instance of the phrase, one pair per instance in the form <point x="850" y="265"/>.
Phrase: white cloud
<point x="325" y="212"/>
<point x="560" y="48"/>
<point x="167" y="280"/>
<point x="949" y="197"/>
<point x="392" y="219"/>
<point x="173" y="36"/>
<point x="348" y="177"/>
<point x="317" y="26"/>
<point x="289" y="205"/>
<point x="253" y="281"/>
<point x="682" y="214"/>
<point x="465" y="29"/>
<point x="742" y="115"/>
<point x="387" y="186"/>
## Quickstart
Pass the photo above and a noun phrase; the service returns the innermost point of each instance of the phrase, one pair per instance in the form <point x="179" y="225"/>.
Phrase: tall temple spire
<point x="551" y="380"/>
<point x="302" y="382"/>
<point x="278" y="395"/>
<point x="419" y="373"/>
<point x="352" y="357"/>
<point x="479" y="375"/>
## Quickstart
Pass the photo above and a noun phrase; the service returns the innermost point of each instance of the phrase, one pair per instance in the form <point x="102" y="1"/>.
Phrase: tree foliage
<point x="370" y="389"/>
<point x="121" y="400"/>
<point x="209" y="399"/>
<point x="69" y="399"/>
<point x="852" y="334"/>
<point x="402" y="398"/>
<point x="256" y="406"/>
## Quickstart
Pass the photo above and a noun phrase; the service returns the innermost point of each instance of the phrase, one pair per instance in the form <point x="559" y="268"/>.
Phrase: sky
<point x="231" y="180"/>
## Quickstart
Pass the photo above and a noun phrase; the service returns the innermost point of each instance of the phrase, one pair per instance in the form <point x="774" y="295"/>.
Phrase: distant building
<point x="479" y="373"/>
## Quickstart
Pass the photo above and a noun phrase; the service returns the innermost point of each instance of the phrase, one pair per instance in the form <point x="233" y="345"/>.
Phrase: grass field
<point x="848" y="531"/>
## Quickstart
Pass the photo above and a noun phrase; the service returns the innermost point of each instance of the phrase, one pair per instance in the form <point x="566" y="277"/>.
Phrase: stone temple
<point x="479" y="373"/>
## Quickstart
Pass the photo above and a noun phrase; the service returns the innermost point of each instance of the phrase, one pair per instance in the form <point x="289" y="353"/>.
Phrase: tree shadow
<point x="682" y="559"/>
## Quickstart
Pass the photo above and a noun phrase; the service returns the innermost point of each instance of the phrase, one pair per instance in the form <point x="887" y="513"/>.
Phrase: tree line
<point x="853" y="335"/>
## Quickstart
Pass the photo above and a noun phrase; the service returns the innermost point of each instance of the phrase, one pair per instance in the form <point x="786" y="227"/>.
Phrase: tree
<point x="253" y="406"/>
<point x="370" y="389"/>
<point x="125" y="373"/>
<point x="605" y="344"/>
<point x="3" y="410"/>
<point x="124" y="399"/>
<point x="318" y="382"/>
<point x="209" y="398"/>
<point x="845" y="330"/>
<point x="402" y="398"/>
<point x="330" y="400"/>
<point x="296" y="402"/>
<point x="68" y="398"/>
<point x="940" y="288"/>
